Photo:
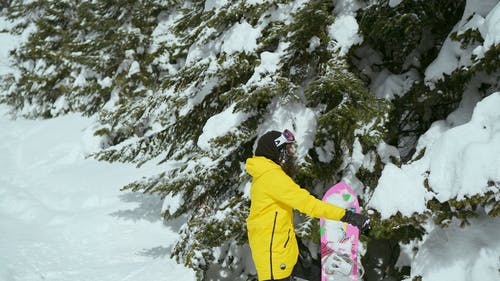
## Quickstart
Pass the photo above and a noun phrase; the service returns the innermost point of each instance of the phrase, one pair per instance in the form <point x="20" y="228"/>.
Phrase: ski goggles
<point x="285" y="137"/>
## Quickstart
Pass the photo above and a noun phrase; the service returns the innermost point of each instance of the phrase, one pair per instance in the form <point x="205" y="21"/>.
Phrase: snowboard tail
<point x="339" y="240"/>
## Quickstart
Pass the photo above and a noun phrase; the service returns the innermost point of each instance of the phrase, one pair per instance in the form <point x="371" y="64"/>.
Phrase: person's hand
<point x="360" y="221"/>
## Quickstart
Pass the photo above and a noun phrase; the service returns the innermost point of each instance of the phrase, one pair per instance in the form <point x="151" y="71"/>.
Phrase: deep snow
<point x="63" y="216"/>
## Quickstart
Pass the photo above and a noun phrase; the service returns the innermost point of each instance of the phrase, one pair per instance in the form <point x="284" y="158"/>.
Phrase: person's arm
<point x="285" y="190"/>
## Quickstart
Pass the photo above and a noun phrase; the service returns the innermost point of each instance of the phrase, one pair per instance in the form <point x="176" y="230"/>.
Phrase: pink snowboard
<point x="339" y="241"/>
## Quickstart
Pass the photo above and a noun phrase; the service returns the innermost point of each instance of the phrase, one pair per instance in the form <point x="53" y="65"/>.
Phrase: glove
<point x="360" y="221"/>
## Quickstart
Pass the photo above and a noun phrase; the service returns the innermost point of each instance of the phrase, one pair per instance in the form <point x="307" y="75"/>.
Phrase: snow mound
<point x="459" y="161"/>
<point x="467" y="157"/>
<point x="460" y="254"/>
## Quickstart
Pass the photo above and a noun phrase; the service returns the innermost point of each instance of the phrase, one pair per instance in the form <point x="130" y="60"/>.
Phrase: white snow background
<point x="63" y="217"/>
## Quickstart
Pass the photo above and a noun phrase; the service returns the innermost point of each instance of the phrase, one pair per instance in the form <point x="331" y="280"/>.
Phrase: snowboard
<point x="339" y="240"/>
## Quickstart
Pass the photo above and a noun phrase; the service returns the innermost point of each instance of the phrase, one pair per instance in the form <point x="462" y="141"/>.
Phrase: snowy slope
<point x="63" y="217"/>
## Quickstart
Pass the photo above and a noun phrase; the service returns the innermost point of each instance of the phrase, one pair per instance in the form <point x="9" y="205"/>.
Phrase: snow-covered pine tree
<point x="404" y="40"/>
<point x="5" y="4"/>
<point x="400" y="43"/>
<point x="424" y="103"/>
<point x="211" y="181"/>
<point x="81" y="55"/>
<point x="155" y="73"/>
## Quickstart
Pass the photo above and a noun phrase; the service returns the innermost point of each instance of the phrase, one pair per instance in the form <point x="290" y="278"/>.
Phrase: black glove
<point x="358" y="220"/>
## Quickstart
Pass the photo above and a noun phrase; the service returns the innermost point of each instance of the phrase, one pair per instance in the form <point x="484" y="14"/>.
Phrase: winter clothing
<point x="271" y="234"/>
<point x="360" y="221"/>
<point x="266" y="146"/>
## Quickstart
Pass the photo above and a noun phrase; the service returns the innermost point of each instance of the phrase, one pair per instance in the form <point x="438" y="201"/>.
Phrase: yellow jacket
<point x="271" y="234"/>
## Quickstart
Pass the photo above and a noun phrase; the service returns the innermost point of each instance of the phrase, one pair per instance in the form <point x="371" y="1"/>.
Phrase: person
<point x="273" y="196"/>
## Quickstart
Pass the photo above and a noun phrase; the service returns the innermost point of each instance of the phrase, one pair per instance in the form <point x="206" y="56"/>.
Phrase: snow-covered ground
<point x="63" y="216"/>
<point x="461" y="254"/>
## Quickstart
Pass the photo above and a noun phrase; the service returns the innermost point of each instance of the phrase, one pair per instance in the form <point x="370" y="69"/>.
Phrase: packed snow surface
<point x="63" y="216"/>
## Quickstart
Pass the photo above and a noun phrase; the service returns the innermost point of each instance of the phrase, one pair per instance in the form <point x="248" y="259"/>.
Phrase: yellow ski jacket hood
<point x="271" y="234"/>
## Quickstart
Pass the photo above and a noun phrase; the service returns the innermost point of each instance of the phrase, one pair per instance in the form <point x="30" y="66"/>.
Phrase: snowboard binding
<point x="338" y="266"/>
